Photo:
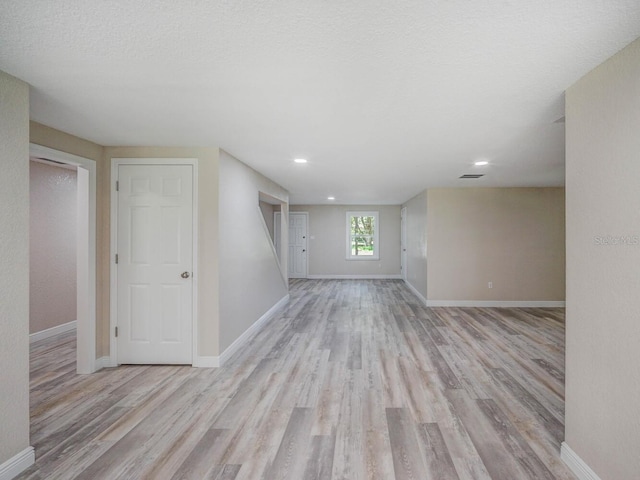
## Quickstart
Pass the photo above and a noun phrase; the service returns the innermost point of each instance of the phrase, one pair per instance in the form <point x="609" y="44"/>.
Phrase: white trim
<point x="376" y="235"/>
<point x="253" y="329"/>
<point x="104" y="362"/>
<point x="415" y="291"/>
<point x="113" y="287"/>
<point x="576" y="464"/>
<point x="17" y="464"/>
<point x="496" y="303"/>
<point x="86" y="262"/>
<point x="43" y="161"/>
<point x="355" y="277"/>
<point x="403" y="243"/>
<point x="206" y="362"/>
<point x="483" y="303"/>
<point x="194" y="267"/>
<point x="52" y="332"/>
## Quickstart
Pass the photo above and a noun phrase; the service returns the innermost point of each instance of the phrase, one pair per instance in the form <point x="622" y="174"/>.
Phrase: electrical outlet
<point x="490" y="285"/>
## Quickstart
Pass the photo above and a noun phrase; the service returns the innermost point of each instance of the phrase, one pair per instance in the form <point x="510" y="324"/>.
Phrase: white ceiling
<point x="383" y="98"/>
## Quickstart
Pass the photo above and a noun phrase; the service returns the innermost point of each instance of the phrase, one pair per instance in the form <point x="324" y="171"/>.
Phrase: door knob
<point x="185" y="275"/>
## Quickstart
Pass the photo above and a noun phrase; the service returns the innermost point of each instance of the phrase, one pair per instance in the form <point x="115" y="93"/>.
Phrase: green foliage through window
<point x="362" y="235"/>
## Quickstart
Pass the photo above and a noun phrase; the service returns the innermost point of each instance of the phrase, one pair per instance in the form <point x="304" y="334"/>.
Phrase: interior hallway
<point x="353" y="379"/>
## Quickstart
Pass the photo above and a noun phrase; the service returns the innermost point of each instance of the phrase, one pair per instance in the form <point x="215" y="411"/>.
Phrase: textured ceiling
<point x="384" y="99"/>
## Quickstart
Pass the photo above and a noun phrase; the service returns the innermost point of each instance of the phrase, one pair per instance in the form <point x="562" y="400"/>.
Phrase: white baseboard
<point x="354" y="277"/>
<point x="200" y="362"/>
<point x="495" y="303"/>
<point x="104" y="362"/>
<point x="256" y="327"/>
<point x="415" y="291"/>
<point x="484" y="303"/>
<point x="52" y="332"/>
<point x="17" y="464"/>
<point x="576" y="464"/>
<point x="206" y="362"/>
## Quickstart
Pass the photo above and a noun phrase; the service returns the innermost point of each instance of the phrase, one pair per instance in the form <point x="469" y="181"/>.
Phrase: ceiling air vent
<point x="472" y="175"/>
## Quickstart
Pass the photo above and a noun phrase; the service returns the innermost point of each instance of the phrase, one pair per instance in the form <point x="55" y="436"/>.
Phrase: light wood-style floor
<point x="352" y="380"/>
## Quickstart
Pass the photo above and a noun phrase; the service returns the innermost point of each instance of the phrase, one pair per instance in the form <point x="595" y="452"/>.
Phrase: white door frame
<point x="403" y="242"/>
<point x="113" y="310"/>
<point x="86" y="254"/>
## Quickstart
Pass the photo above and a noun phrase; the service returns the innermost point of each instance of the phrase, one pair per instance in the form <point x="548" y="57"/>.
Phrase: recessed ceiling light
<point x="331" y="198"/>
<point x="481" y="163"/>
<point x="300" y="160"/>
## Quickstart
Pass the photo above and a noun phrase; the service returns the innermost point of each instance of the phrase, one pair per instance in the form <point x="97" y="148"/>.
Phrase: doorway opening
<point x="271" y="209"/>
<point x="52" y="249"/>
<point x="85" y="251"/>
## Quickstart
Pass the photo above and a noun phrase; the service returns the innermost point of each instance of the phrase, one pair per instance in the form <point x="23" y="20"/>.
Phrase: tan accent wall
<point x="14" y="266"/>
<point x="64" y="142"/>
<point x="52" y="245"/>
<point x="250" y="278"/>
<point x="512" y="237"/>
<point x="327" y="232"/>
<point x="603" y="266"/>
<point x="208" y="333"/>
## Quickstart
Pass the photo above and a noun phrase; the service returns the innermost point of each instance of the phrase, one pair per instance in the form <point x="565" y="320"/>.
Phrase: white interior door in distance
<point x="297" y="245"/>
<point x="155" y="264"/>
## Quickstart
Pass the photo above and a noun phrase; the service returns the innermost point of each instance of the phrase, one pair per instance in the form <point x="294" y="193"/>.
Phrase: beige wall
<point x="14" y="261"/>
<point x="211" y="341"/>
<point x="52" y="246"/>
<point x="64" y="142"/>
<point x="416" y="227"/>
<point x="207" y="225"/>
<point x="207" y="233"/>
<point x="603" y="279"/>
<point x="513" y="237"/>
<point x="328" y="236"/>
<point x="267" y="212"/>
<point x="250" y="279"/>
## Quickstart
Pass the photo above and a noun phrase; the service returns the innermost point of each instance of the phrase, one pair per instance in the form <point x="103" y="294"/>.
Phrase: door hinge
<point x="116" y="258"/>
<point x="117" y="186"/>
<point x="116" y="332"/>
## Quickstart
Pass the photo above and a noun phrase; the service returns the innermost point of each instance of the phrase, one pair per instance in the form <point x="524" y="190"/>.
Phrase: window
<point x="362" y="236"/>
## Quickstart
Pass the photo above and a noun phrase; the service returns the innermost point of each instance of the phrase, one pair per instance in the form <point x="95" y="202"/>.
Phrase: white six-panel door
<point x="297" y="245"/>
<point x="155" y="264"/>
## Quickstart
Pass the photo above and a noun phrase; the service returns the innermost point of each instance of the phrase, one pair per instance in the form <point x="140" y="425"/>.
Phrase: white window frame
<point x="376" y="235"/>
